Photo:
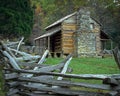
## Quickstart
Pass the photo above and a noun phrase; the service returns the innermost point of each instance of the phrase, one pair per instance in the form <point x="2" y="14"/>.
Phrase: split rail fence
<point x="38" y="79"/>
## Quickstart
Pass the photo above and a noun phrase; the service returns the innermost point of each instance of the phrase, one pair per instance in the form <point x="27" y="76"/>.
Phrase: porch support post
<point x="39" y="45"/>
<point x="49" y="43"/>
<point x="49" y="46"/>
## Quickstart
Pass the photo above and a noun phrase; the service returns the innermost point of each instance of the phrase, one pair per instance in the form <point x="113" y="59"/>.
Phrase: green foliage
<point x="109" y="16"/>
<point x="53" y="10"/>
<point x="16" y="17"/>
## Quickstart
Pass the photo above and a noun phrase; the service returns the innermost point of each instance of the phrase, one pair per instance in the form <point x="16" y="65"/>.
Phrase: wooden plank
<point x="12" y="91"/>
<point x="68" y="40"/>
<point x="111" y="81"/>
<point x="67" y="48"/>
<point x="26" y="56"/>
<point x="77" y="76"/>
<point x="13" y="63"/>
<point x="68" y="33"/>
<point x="64" y="69"/>
<point x="68" y="45"/>
<point x="68" y="51"/>
<point x="69" y="27"/>
<point x="31" y="65"/>
<point x="19" y="44"/>
<point x="12" y="43"/>
<point x="65" y="83"/>
<point x="11" y="76"/>
<point x="5" y="48"/>
<point x="62" y="91"/>
<point x="36" y="94"/>
<point x="68" y="24"/>
<point x="12" y="83"/>
<point x="112" y="93"/>
<point x="43" y="57"/>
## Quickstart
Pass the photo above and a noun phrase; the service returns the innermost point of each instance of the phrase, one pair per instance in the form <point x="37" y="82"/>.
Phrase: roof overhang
<point x="60" y="20"/>
<point x="49" y="33"/>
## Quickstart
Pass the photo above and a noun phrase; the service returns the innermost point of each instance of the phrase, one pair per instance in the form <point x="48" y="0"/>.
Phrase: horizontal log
<point x="26" y="55"/>
<point x="68" y="41"/>
<point x="12" y="43"/>
<point x="31" y="65"/>
<point x="44" y="77"/>
<point x="12" y="83"/>
<point x="59" y="90"/>
<point x="65" y="83"/>
<point x="67" y="51"/>
<point x="68" y="31"/>
<point x="69" y="45"/>
<point x="77" y="76"/>
<point x="116" y="76"/>
<point x="112" y="93"/>
<point x="11" y="76"/>
<point x="68" y="34"/>
<point x="11" y="92"/>
<point x="111" y="81"/>
<point x="67" y="48"/>
<point x="69" y="27"/>
<point x="36" y="94"/>
<point x="25" y="58"/>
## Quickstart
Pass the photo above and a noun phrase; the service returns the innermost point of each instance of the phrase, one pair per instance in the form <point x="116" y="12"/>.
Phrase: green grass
<point x="1" y="82"/>
<point x="84" y="66"/>
<point x="89" y="65"/>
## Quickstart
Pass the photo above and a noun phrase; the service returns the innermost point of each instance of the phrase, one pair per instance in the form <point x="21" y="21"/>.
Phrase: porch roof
<point x="49" y="33"/>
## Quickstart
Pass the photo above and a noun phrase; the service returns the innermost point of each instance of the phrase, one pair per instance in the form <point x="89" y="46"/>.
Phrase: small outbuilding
<point x="77" y="33"/>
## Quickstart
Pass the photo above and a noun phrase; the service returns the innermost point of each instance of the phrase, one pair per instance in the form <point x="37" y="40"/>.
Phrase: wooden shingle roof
<point x="60" y="20"/>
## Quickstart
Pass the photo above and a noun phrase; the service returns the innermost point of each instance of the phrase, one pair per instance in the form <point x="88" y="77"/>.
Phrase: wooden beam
<point x="11" y="76"/>
<point x="19" y="44"/>
<point x="62" y="83"/>
<point x="61" y="91"/>
<point x="48" y="43"/>
<point x="76" y="76"/>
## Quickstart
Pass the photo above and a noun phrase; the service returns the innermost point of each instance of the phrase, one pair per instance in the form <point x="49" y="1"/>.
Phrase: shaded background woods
<point x="16" y="18"/>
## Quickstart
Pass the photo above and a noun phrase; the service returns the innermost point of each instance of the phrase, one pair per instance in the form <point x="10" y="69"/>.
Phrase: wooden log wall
<point x="68" y="32"/>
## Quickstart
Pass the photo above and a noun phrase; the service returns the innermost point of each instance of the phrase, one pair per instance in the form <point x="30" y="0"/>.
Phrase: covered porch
<point x="51" y="40"/>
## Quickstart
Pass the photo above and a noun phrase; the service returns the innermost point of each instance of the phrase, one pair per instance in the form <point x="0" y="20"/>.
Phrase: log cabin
<point x="76" y="33"/>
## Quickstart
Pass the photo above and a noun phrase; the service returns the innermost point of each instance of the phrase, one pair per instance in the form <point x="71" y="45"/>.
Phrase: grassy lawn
<point x="89" y="65"/>
<point x="85" y="66"/>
